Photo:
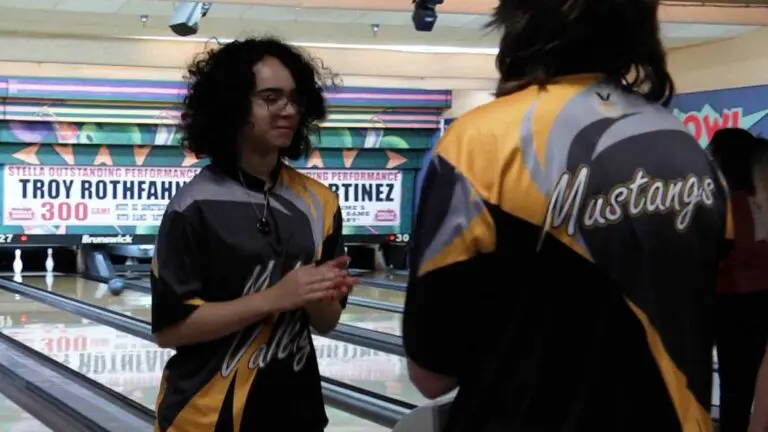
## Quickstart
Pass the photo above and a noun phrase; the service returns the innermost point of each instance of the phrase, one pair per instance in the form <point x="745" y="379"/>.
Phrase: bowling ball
<point x="116" y="286"/>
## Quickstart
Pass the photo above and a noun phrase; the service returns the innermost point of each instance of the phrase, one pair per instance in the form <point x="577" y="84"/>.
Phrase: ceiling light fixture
<point x="421" y="49"/>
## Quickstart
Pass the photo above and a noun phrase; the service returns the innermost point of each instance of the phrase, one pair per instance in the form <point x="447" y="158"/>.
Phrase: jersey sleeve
<point x="333" y="244"/>
<point x="453" y="236"/>
<point x="176" y="271"/>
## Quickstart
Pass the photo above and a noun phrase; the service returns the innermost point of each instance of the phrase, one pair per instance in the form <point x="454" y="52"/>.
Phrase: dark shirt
<point x="745" y="270"/>
<point x="266" y="376"/>
<point x="564" y="264"/>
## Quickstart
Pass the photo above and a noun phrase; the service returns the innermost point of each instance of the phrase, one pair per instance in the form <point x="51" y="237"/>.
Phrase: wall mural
<point x="704" y="113"/>
<point x="169" y="93"/>
<point x="169" y="135"/>
<point x="102" y="157"/>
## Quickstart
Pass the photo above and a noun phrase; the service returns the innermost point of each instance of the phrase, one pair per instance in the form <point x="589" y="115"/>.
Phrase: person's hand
<point x="347" y="282"/>
<point x="304" y="285"/>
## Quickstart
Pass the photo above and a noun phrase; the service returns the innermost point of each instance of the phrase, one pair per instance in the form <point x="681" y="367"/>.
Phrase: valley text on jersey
<point x="209" y="249"/>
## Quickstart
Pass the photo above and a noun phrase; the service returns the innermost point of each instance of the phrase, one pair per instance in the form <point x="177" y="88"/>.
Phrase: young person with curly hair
<point x="249" y="253"/>
<point x="568" y="237"/>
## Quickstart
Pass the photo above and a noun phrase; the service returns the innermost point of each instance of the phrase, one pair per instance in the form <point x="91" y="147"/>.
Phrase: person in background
<point x="741" y="327"/>
<point x="565" y="255"/>
<point x="759" y="422"/>
<point x="249" y="254"/>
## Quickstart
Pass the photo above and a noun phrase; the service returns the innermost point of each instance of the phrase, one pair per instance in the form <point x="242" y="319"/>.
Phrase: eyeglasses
<point x="276" y="100"/>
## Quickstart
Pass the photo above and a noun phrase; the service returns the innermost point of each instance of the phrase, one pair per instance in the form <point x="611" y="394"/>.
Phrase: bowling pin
<point x="18" y="266"/>
<point x="49" y="281"/>
<point x="49" y="261"/>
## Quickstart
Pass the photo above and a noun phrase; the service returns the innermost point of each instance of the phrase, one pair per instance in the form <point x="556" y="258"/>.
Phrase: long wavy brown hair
<point x="546" y="39"/>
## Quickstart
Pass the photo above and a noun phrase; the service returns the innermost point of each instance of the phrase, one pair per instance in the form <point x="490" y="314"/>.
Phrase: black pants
<point x="741" y="337"/>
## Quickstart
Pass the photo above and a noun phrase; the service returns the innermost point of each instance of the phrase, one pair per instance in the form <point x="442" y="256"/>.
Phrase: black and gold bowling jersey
<point x="265" y="377"/>
<point x="564" y="262"/>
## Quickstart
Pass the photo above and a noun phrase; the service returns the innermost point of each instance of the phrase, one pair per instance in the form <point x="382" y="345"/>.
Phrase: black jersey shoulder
<point x="586" y="222"/>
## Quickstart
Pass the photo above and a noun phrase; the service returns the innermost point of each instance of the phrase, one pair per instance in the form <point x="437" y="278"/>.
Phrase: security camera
<point x="186" y="18"/>
<point x="424" y="15"/>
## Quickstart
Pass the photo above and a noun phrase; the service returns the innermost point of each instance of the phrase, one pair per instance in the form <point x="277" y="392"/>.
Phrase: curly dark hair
<point x="218" y="102"/>
<point x="546" y="39"/>
<point x="734" y="150"/>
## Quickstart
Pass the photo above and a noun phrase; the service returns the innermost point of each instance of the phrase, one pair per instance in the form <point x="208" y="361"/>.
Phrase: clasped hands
<point x="312" y="283"/>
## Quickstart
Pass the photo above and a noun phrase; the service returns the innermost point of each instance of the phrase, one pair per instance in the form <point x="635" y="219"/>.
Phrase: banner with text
<point x="368" y="198"/>
<point x="704" y="113"/>
<point x="89" y="195"/>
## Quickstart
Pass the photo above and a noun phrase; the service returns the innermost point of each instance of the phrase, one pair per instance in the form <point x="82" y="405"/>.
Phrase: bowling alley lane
<point x="388" y="276"/>
<point x="380" y="294"/>
<point x="362" y="290"/>
<point x="13" y="418"/>
<point x="372" y="319"/>
<point x="130" y="302"/>
<point x="372" y="370"/>
<point x="127" y="364"/>
<point x="138" y="304"/>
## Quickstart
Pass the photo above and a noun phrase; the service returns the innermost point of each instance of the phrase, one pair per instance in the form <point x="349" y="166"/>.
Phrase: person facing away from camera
<point x="568" y="237"/>
<point x="249" y="254"/>
<point x="759" y="421"/>
<point x="741" y="327"/>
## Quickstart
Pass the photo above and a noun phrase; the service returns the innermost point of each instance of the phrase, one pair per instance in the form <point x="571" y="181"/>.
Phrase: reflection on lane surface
<point x="14" y="419"/>
<point x="366" y="368"/>
<point x="139" y="305"/>
<point x="130" y="302"/>
<point x="369" y="369"/>
<point x="380" y="294"/>
<point x="372" y="319"/>
<point x="127" y="364"/>
<point x="387" y="276"/>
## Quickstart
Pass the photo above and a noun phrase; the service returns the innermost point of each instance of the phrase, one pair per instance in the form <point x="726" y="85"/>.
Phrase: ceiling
<point x="294" y="20"/>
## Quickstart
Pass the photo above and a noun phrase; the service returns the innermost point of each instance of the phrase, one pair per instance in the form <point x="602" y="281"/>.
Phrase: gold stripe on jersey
<point x="480" y="231"/>
<point x="160" y="395"/>
<point x="503" y="172"/>
<point x="693" y="417"/>
<point x="195" y="302"/>
<point x="203" y="410"/>
<point x="311" y="196"/>
<point x="467" y="231"/>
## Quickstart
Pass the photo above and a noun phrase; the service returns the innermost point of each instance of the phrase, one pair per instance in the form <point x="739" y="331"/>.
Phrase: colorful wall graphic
<point x="37" y="132"/>
<point x="131" y="125"/>
<point x="706" y="112"/>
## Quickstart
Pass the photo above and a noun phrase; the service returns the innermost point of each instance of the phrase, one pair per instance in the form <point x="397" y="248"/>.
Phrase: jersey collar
<point x="254" y="183"/>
